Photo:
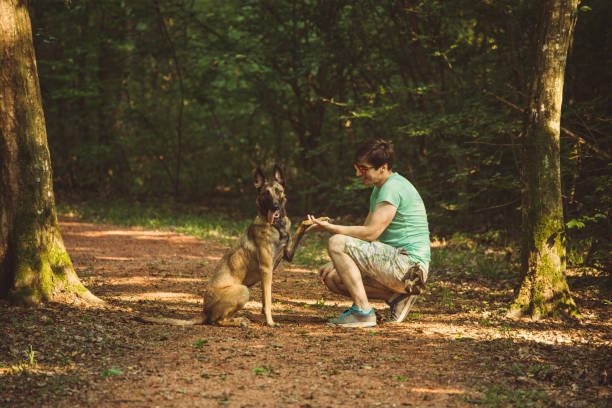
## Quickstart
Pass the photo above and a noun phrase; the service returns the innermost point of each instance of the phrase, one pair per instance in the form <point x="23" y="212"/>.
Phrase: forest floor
<point x="456" y="349"/>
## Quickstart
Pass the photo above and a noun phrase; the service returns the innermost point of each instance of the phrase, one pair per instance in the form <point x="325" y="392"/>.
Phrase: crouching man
<point x="388" y="256"/>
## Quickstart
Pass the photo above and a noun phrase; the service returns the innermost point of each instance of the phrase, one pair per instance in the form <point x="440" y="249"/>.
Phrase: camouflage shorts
<point x="382" y="264"/>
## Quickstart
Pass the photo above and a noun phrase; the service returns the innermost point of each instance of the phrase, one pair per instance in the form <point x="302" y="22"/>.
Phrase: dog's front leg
<point x="265" y="270"/>
<point x="266" y="299"/>
<point x="297" y="237"/>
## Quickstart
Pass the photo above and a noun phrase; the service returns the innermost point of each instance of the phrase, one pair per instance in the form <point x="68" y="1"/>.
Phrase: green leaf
<point x="259" y="370"/>
<point x="199" y="343"/>
<point x="111" y="371"/>
<point x="574" y="223"/>
<point x="362" y="114"/>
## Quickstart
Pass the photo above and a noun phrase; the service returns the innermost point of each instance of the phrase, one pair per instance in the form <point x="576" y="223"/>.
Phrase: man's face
<point x="368" y="174"/>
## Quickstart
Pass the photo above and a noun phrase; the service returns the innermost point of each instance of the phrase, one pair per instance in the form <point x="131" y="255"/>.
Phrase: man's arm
<point x="374" y="225"/>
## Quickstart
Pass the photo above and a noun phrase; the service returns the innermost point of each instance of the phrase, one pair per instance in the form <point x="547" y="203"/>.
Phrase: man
<point x="388" y="256"/>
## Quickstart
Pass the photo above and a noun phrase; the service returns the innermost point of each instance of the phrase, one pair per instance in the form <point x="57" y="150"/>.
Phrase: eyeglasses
<point x="362" y="169"/>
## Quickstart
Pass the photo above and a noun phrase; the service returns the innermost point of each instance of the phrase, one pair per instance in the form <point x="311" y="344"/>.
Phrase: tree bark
<point x="34" y="264"/>
<point x="544" y="290"/>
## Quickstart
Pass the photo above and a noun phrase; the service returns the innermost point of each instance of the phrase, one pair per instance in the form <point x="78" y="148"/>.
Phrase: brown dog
<point x="252" y="259"/>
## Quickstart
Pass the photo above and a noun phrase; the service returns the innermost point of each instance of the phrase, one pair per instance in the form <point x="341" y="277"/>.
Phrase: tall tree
<point x="544" y="290"/>
<point x="34" y="264"/>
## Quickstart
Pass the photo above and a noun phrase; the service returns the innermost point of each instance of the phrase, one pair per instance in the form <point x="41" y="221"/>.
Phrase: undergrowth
<point x="462" y="257"/>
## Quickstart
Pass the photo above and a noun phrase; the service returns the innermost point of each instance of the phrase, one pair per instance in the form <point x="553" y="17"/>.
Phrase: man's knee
<point x="336" y="243"/>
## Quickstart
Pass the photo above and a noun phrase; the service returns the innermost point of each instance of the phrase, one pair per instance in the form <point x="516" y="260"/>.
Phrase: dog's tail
<point x="173" y="322"/>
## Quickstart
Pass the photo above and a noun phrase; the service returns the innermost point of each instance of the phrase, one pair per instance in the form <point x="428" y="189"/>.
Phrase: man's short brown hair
<point x="376" y="152"/>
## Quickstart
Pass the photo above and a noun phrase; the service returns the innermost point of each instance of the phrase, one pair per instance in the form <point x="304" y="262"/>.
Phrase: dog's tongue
<point x="272" y="215"/>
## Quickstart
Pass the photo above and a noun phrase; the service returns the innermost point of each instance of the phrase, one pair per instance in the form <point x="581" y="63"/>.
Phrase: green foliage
<point x="588" y="241"/>
<point x="465" y="257"/>
<point x="185" y="99"/>
<point x="111" y="372"/>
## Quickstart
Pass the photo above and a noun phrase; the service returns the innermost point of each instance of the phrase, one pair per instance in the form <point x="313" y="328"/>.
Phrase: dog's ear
<point x="259" y="179"/>
<point x="278" y="175"/>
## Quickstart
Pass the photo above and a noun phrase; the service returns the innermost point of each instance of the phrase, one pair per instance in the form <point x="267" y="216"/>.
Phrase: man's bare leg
<point x="348" y="271"/>
<point x="330" y="278"/>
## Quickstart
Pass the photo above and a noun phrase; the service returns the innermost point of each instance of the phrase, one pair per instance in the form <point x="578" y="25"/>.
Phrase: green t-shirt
<point x="408" y="228"/>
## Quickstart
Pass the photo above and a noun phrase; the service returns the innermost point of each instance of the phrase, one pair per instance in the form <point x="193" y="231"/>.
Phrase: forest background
<point x="178" y="101"/>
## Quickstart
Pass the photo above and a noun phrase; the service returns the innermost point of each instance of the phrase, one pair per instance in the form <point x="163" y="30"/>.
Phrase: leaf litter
<point x="456" y="348"/>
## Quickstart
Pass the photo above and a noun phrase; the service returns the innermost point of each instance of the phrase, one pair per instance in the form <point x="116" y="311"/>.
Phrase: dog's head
<point x="271" y="197"/>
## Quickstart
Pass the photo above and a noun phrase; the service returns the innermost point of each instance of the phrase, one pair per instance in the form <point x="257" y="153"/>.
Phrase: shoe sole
<point x="404" y="312"/>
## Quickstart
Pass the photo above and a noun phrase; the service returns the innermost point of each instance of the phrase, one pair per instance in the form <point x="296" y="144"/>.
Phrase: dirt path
<point x="456" y="350"/>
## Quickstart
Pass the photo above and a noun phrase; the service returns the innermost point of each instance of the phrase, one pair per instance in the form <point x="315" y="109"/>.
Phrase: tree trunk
<point x="544" y="290"/>
<point x="34" y="264"/>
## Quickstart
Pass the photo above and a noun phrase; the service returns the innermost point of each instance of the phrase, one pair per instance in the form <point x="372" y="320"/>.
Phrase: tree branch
<point x="580" y="140"/>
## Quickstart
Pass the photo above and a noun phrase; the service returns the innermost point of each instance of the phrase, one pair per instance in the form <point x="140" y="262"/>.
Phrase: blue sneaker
<point x="354" y="317"/>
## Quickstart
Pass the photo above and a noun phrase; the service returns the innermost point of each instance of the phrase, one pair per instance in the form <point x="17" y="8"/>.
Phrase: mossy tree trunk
<point x="34" y="264"/>
<point x="544" y="290"/>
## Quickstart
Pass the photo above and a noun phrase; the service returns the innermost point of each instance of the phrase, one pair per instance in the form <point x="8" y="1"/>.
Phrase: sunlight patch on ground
<point x="175" y="258"/>
<point x="324" y="303"/>
<point x="438" y="391"/>
<point x="138" y="234"/>
<point x="39" y="369"/>
<point x="298" y="269"/>
<point x="147" y="280"/>
<point x="458" y="331"/>
<point x="109" y="233"/>
<point x="82" y="249"/>
<point x="551" y="337"/>
<point x="114" y="258"/>
<point x="209" y="258"/>
<point x="187" y="297"/>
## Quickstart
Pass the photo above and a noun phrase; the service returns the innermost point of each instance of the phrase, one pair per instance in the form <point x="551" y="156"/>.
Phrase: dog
<point x="251" y="260"/>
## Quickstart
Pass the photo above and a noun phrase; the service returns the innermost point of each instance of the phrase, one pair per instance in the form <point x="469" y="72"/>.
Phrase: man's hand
<point x="318" y="224"/>
<point x="325" y="271"/>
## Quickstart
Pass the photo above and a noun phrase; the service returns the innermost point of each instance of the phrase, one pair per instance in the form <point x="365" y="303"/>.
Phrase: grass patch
<point x="180" y="218"/>
<point x="312" y="251"/>
<point x="503" y="397"/>
<point x="199" y="343"/>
